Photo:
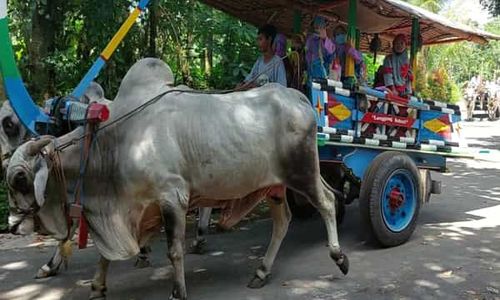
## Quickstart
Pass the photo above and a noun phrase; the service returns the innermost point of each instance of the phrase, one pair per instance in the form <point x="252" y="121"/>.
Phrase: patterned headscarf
<point x="403" y="37"/>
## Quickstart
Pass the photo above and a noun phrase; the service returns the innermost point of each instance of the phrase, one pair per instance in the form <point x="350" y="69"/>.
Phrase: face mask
<point x="340" y="39"/>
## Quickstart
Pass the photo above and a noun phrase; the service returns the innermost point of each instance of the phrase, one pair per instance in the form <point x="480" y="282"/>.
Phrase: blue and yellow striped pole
<point x="109" y="50"/>
<point x="22" y="103"/>
<point x="24" y="107"/>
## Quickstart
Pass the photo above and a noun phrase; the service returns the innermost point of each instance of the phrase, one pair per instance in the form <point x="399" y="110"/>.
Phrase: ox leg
<point x="312" y="186"/>
<point x="142" y="260"/>
<point x="200" y="242"/>
<point x="99" y="282"/>
<point x="175" y="227"/>
<point x="281" y="216"/>
<point x="322" y="197"/>
<point x="52" y="267"/>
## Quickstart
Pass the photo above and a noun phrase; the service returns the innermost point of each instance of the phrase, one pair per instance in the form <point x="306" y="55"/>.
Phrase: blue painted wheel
<point x="399" y="200"/>
<point x="390" y="197"/>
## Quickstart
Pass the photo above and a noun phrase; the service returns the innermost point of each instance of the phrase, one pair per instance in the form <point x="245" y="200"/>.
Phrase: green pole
<point x="351" y="37"/>
<point x="358" y="38"/>
<point x="415" y="33"/>
<point x="297" y="21"/>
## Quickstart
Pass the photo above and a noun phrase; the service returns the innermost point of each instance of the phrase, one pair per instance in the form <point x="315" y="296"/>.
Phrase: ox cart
<point x="482" y="101"/>
<point x="374" y="147"/>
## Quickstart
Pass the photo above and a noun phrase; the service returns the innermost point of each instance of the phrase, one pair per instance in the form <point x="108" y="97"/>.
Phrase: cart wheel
<point x="390" y="198"/>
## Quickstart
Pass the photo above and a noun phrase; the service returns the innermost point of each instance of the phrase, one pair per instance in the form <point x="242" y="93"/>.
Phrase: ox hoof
<point x="97" y="293"/>
<point x="172" y="297"/>
<point x="45" y="272"/>
<point x="342" y="262"/>
<point x="198" y="247"/>
<point x="257" y="282"/>
<point x="142" y="262"/>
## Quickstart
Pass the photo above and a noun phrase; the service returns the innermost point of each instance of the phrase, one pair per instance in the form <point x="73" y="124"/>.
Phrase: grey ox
<point x="187" y="149"/>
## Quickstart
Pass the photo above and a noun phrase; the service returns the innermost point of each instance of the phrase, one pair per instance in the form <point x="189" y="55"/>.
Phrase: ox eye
<point x="10" y="128"/>
<point x="20" y="183"/>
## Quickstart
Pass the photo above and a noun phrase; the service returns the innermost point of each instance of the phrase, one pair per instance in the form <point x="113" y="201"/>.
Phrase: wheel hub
<point x="396" y="199"/>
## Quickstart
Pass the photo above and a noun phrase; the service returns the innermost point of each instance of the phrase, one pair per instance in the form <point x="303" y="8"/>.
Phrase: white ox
<point x="185" y="149"/>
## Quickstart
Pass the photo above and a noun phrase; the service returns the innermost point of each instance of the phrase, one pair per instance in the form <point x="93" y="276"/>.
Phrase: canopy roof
<point x="385" y="17"/>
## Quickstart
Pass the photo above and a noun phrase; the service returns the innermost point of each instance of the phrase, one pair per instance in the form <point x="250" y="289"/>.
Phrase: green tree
<point x="493" y="6"/>
<point x="430" y="5"/>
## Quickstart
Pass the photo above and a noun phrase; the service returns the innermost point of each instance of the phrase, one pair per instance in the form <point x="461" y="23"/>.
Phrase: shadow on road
<point x="453" y="254"/>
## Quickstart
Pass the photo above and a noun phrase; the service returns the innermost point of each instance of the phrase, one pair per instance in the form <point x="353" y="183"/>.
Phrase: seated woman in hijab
<point x="397" y="72"/>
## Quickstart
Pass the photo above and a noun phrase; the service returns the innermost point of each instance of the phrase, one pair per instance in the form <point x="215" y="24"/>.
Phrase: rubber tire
<point x="426" y="185"/>
<point x="371" y="193"/>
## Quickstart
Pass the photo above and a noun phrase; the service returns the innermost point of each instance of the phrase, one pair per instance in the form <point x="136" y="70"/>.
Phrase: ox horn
<point x="35" y="147"/>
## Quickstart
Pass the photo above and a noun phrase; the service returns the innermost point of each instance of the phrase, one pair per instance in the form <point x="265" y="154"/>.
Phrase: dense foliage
<point x="492" y="5"/>
<point x="56" y="41"/>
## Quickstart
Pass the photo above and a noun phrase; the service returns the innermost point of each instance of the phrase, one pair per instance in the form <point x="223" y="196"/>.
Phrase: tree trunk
<point x="153" y="28"/>
<point x="43" y="44"/>
<point x="186" y="72"/>
<point x="208" y="54"/>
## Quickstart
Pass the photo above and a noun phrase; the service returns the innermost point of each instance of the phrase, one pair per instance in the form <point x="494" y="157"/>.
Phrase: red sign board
<point x="389" y="120"/>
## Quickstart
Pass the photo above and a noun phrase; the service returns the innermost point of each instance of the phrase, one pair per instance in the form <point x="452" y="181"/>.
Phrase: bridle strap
<point x="61" y="179"/>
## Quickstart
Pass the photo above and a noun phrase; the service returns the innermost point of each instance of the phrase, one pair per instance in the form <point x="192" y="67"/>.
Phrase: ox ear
<point x="35" y="147"/>
<point x="40" y="182"/>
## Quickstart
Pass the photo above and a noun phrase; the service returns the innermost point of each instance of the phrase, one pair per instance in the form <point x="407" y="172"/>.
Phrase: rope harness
<point x="74" y="210"/>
